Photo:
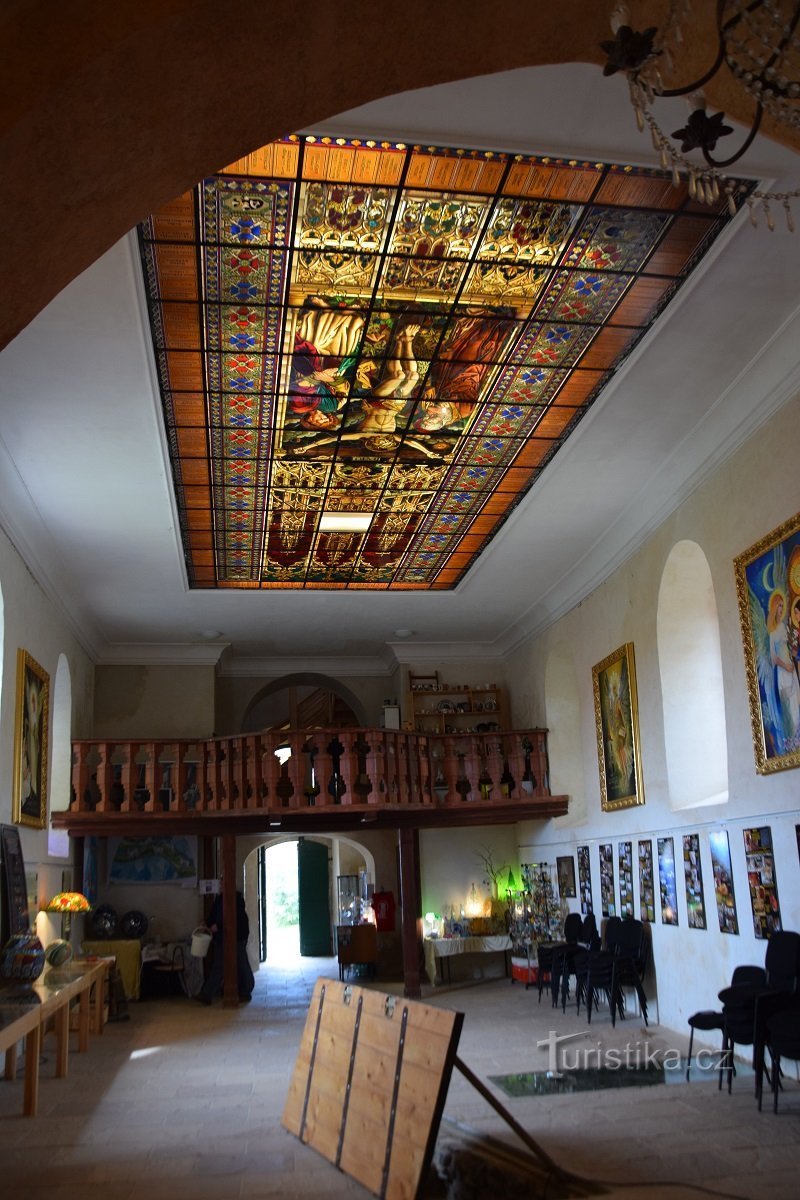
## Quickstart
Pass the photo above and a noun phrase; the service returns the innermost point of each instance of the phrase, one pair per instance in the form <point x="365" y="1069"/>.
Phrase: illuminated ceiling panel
<point x="403" y="335"/>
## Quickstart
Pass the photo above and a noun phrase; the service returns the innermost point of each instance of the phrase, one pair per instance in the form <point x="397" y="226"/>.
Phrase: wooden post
<point x="230" y="988"/>
<point x="410" y="908"/>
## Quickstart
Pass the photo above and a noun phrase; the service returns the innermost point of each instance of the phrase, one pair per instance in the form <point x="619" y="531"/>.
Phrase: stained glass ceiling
<point x="369" y="352"/>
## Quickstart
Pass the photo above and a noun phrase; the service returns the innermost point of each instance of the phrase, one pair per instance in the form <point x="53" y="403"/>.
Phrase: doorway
<point x="293" y="888"/>
<point x="279" y="908"/>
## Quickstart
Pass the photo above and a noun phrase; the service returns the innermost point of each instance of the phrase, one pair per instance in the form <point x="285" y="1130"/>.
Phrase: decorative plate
<point x="133" y="924"/>
<point x="103" y="921"/>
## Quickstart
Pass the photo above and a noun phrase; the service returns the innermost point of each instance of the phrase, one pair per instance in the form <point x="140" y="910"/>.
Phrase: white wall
<point x="754" y="491"/>
<point x="34" y="623"/>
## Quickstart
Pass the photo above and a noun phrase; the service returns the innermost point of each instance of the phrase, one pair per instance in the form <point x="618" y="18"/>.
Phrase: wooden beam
<point x="324" y="819"/>
<point x="230" y="988"/>
<point x="411" y="911"/>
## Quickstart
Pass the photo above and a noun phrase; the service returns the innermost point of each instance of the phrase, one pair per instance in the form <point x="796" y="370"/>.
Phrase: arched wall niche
<point x="690" y="668"/>
<point x="61" y="755"/>
<point x="263" y="704"/>
<point x="563" y="719"/>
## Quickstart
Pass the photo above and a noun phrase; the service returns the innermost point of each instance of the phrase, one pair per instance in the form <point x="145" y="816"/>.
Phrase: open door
<point x="313" y="887"/>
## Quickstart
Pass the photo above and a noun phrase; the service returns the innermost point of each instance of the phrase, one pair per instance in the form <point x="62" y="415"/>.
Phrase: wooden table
<point x="128" y="953"/>
<point x="439" y="951"/>
<point x="17" y="1021"/>
<point x="27" y="1013"/>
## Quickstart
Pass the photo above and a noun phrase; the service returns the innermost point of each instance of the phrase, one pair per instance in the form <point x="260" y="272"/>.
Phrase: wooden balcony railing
<point x="276" y="774"/>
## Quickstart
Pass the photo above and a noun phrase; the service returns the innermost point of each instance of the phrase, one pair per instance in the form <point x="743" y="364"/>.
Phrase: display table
<point x="128" y="953"/>
<point x="439" y="951"/>
<point x="29" y="1013"/>
<point x="17" y="1021"/>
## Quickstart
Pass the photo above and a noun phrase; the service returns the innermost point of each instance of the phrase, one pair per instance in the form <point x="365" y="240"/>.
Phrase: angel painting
<point x="768" y="583"/>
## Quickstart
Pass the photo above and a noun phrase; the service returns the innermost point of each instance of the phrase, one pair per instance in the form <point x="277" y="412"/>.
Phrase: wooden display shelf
<point x="456" y="708"/>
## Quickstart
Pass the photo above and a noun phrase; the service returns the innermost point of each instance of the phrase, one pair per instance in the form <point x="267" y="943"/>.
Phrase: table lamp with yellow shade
<point x="67" y="903"/>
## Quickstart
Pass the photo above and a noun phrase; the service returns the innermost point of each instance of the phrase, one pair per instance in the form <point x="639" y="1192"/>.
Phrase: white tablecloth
<point x="446" y="947"/>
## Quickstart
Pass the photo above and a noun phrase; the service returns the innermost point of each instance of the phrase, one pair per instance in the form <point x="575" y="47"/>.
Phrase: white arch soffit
<point x="305" y="679"/>
<point x="270" y="840"/>
<point x="690" y="668"/>
<point x="61" y="758"/>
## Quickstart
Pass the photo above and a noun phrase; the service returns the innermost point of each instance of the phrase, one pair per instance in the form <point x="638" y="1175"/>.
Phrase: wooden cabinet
<point x="435" y="707"/>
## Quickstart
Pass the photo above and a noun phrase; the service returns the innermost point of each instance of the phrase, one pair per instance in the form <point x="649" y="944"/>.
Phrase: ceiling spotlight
<point x="404" y="633"/>
<point x="345" y="522"/>
<point x="210" y="635"/>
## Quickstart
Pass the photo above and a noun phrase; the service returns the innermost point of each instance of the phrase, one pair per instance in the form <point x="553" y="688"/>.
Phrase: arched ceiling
<point x="109" y="111"/>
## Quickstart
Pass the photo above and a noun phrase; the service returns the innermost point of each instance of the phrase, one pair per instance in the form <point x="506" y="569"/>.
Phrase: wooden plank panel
<point x="381" y="1129"/>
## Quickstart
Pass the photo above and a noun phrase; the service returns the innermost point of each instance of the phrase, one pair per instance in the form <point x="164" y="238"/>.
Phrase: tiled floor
<point x="185" y="1101"/>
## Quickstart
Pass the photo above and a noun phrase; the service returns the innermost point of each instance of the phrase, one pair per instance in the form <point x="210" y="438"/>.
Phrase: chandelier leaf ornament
<point x="757" y="43"/>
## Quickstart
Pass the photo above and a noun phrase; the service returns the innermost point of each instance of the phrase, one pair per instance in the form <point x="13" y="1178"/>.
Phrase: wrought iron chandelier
<point x="757" y="42"/>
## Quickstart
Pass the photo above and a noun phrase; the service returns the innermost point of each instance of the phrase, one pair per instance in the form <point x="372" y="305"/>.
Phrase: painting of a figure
<point x="617" y="725"/>
<point x="30" y="743"/>
<point x="397" y="379"/>
<point x="768" y="589"/>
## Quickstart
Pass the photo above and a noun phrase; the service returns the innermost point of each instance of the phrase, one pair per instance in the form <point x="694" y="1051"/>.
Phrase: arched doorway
<point x="276" y="888"/>
<point x="303" y="700"/>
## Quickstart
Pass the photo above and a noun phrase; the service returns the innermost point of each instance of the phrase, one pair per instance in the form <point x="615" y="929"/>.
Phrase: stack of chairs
<point x="747" y="1008"/>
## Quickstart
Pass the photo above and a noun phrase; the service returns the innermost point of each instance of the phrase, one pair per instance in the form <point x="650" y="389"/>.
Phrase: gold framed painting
<point x="768" y="591"/>
<point x="29" y="795"/>
<point x="617" y="724"/>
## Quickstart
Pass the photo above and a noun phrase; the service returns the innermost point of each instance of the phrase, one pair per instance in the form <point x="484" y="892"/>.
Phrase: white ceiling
<point x="84" y="481"/>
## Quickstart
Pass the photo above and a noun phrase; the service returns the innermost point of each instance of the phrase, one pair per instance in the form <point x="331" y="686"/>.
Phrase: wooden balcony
<point x="329" y="780"/>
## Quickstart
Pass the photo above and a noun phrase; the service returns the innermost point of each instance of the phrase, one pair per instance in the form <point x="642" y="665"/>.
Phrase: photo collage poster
<point x="693" y="878"/>
<point x="762" y="881"/>
<point x="647" y="894"/>
<point x="607" y="901"/>
<point x="585" y="880"/>
<point x="723" y="881"/>
<point x="626" y="879"/>
<point x="666" y="881"/>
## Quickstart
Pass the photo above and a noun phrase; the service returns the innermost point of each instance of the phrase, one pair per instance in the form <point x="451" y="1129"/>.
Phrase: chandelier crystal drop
<point x="758" y="44"/>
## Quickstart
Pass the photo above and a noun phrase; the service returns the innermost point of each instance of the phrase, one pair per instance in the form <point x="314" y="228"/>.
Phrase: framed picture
<point x="723" y="881"/>
<point x="761" y="878"/>
<point x="693" y="881"/>
<point x="585" y="879"/>
<point x="666" y="881"/>
<point x="617" y="724"/>
<point x="768" y="590"/>
<point x="566" y="877"/>
<point x="608" y="904"/>
<point x="29" y="797"/>
<point x="625" y="850"/>
<point x="647" y="896"/>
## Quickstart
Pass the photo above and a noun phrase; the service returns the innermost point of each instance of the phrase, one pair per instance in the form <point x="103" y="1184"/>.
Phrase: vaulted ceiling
<point x="88" y="467"/>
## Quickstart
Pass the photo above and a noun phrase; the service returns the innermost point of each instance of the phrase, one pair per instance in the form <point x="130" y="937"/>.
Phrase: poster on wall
<point x="153" y="860"/>
<point x="585" y="880"/>
<point x="608" y="904"/>
<point x="647" y="893"/>
<point x="626" y="879"/>
<point x="723" y="881"/>
<point x="693" y="879"/>
<point x="565" y="868"/>
<point x="666" y="881"/>
<point x="762" y="881"/>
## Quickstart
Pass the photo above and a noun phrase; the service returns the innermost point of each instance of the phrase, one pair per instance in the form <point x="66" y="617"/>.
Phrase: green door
<point x="313" y="892"/>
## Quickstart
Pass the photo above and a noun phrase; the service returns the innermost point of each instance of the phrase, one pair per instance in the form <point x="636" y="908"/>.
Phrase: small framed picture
<point x="566" y="877"/>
